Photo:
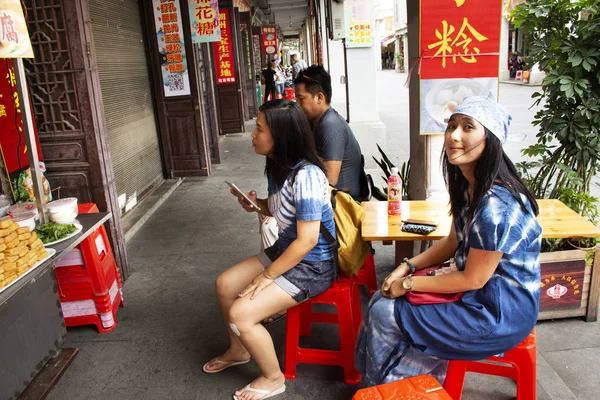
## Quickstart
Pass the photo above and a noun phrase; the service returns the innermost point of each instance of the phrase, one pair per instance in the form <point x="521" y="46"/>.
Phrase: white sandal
<point x="267" y="393"/>
<point x="226" y="364"/>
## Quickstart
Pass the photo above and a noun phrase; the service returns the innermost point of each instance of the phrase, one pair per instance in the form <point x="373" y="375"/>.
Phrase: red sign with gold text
<point x="460" y="38"/>
<point x="12" y="138"/>
<point x="224" y="60"/>
<point x="269" y="39"/>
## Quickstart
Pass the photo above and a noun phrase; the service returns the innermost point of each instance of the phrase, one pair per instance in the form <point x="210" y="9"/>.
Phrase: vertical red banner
<point x="269" y="39"/>
<point x="460" y="38"/>
<point x="12" y="136"/>
<point x="224" y="60"/>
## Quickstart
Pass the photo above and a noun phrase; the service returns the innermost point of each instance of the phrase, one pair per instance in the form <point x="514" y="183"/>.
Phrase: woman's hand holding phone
<point x="247" y="201"/>
<point x="244" y="203"/>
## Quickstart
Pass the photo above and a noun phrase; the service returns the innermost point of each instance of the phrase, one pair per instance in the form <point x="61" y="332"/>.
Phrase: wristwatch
<point x="407" y="283"/>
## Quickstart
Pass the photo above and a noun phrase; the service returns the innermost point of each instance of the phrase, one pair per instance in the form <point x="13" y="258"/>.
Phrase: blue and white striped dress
<point x="399" y="340"/>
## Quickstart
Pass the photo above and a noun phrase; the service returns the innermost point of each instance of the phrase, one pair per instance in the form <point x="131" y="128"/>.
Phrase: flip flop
<point x="226" y="364"/>
<point x="274" y="318"/>
<point x="267" y="394"/>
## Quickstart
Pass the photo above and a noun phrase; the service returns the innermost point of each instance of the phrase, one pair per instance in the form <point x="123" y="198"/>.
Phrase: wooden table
<point x="556" y="219"/>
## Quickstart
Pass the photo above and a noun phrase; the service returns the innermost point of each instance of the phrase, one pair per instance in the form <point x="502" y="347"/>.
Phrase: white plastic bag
<point x="269" y="232"/>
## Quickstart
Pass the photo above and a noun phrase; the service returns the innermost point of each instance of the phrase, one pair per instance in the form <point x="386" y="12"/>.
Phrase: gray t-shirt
<point x="336" y="142"/>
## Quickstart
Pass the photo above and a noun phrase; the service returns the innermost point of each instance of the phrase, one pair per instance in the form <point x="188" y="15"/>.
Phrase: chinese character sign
<point x="359" y="20"/>
<point x="223" y="50"/>
<point x="269" y="39"/>
<point x="14" y="38"/>
<point x="171" y="48"/>
<point x="204" y="21"/>
<point x="460" y="38"/>
<point x="459" y="49"/>
<point x="12" y="139"/>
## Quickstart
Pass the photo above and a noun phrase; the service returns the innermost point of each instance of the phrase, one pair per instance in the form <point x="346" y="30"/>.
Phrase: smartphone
<point x="240" y="193"/>
<point x="420" y="221"/>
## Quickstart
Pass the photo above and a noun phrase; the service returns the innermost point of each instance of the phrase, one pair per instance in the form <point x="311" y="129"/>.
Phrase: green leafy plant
<point x="386" y="166"/>
<point x="563" y="41"/>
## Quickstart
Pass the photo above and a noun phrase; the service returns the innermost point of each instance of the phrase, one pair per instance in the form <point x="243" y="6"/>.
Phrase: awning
<point x="387" y="40"/>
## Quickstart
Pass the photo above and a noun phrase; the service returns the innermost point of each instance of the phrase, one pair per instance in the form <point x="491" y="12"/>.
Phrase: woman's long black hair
<point x="493" y="168"/>
<point x="292" y="138"/>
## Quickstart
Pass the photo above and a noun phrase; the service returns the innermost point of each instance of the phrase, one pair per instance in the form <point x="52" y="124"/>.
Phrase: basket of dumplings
<point x="20" y="250"/>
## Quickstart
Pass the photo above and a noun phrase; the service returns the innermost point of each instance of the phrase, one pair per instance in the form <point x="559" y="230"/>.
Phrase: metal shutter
<point x="127" y="97"/>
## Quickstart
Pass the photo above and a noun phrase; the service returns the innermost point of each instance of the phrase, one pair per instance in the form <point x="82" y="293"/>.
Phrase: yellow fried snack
<point x="32" y="238"/>
<point x="10" y="237"/>
<point x="42" y="253"/>
<point x="12" y="258"/>
<point x="10" y="279"/>
<point x="32" y="261"/>
<point x="24" y="250"/>
<point x="24" y="236"/>
<point x="2" y="247"/>
<point x="13" y="244"/>
<point x="2" y="256"/>
<point x="22" y="261"/>
<point x="36" y="244"/>
<point x="15" y="251"/>
<point x="5" y="222"/>
<point x="23" y="230"/>
<point x="4" y="233"/>
<point x="13" y="227"/>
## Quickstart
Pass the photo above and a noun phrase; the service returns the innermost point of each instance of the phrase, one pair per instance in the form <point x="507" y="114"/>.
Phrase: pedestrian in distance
<point x="269" y="76"/>
<point x="300" y="265"/>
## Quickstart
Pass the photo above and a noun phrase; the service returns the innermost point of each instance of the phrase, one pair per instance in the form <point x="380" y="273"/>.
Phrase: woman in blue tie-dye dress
<point x="495" y="241"/>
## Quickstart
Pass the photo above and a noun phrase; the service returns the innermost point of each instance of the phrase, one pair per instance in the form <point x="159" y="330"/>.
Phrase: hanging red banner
<point x="12" y="139"/>
<point x="224" y="59"/>
<point x="269" y="39"/>
<point x="460" y="38"/>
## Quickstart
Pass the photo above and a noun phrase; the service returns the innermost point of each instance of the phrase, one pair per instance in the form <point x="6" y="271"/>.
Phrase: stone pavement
<point x="171" y="324"/>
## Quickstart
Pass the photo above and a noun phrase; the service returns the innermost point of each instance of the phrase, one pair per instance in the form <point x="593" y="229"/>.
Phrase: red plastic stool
<point x="344" y="296"/>
<point x="423" y="387"/>
<point x="521" y="369"/>
<point x="366" y="275"/>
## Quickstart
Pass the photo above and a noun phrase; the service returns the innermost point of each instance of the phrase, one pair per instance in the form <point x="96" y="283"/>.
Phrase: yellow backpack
<point x="351" y="249"/>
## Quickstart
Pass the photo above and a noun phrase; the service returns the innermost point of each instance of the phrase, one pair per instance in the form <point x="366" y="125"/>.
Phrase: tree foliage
<point x="564" y="39"/>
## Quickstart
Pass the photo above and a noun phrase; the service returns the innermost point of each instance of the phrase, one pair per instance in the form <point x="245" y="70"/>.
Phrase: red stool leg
<point x="455" y="378"/>
<point x="292" y="336"/>
<point x="356" y="308"/>
<point x="371" y="276"/>
<point x="305" y="317"/>
<point x="524" y="361"/>
<point x="347" y="337"/>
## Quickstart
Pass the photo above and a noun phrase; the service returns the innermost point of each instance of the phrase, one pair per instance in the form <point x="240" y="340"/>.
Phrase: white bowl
<point x="63" y="211"/>
<point x="26" y="221"/>
<point x="23" y="210"/>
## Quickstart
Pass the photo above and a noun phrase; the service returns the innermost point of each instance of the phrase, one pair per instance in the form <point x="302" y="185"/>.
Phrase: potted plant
<point x="563" y="37"/>
<point x="399" y="62"/>
<point x="386" y="166"/>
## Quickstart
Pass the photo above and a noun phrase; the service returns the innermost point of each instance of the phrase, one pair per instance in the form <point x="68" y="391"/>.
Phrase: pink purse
<point x="417" y="298"/>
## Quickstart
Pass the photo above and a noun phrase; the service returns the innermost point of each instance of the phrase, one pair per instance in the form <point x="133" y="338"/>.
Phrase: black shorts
<point x="303" y="281"/>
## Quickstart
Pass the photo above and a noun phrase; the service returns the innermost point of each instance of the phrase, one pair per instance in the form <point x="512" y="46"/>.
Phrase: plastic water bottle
<point x="394" y="193"/>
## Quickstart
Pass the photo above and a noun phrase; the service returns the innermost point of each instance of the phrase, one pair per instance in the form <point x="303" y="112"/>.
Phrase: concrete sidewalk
<point x="171" y="324"/>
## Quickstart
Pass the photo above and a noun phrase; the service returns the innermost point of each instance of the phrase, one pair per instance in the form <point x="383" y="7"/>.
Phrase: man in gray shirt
<point x="334" y="139"/>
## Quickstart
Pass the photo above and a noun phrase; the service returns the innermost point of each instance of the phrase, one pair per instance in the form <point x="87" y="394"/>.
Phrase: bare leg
<point x="246" y="315"/>
<point x="228" y="285"/>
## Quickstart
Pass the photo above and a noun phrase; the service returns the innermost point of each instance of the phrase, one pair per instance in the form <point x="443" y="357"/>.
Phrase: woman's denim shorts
<point x="305" y="280"/>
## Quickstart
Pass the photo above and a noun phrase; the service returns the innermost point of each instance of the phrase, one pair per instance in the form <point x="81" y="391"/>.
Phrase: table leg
<point x="403" y="249"/>
<point x="592" y="306"/>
